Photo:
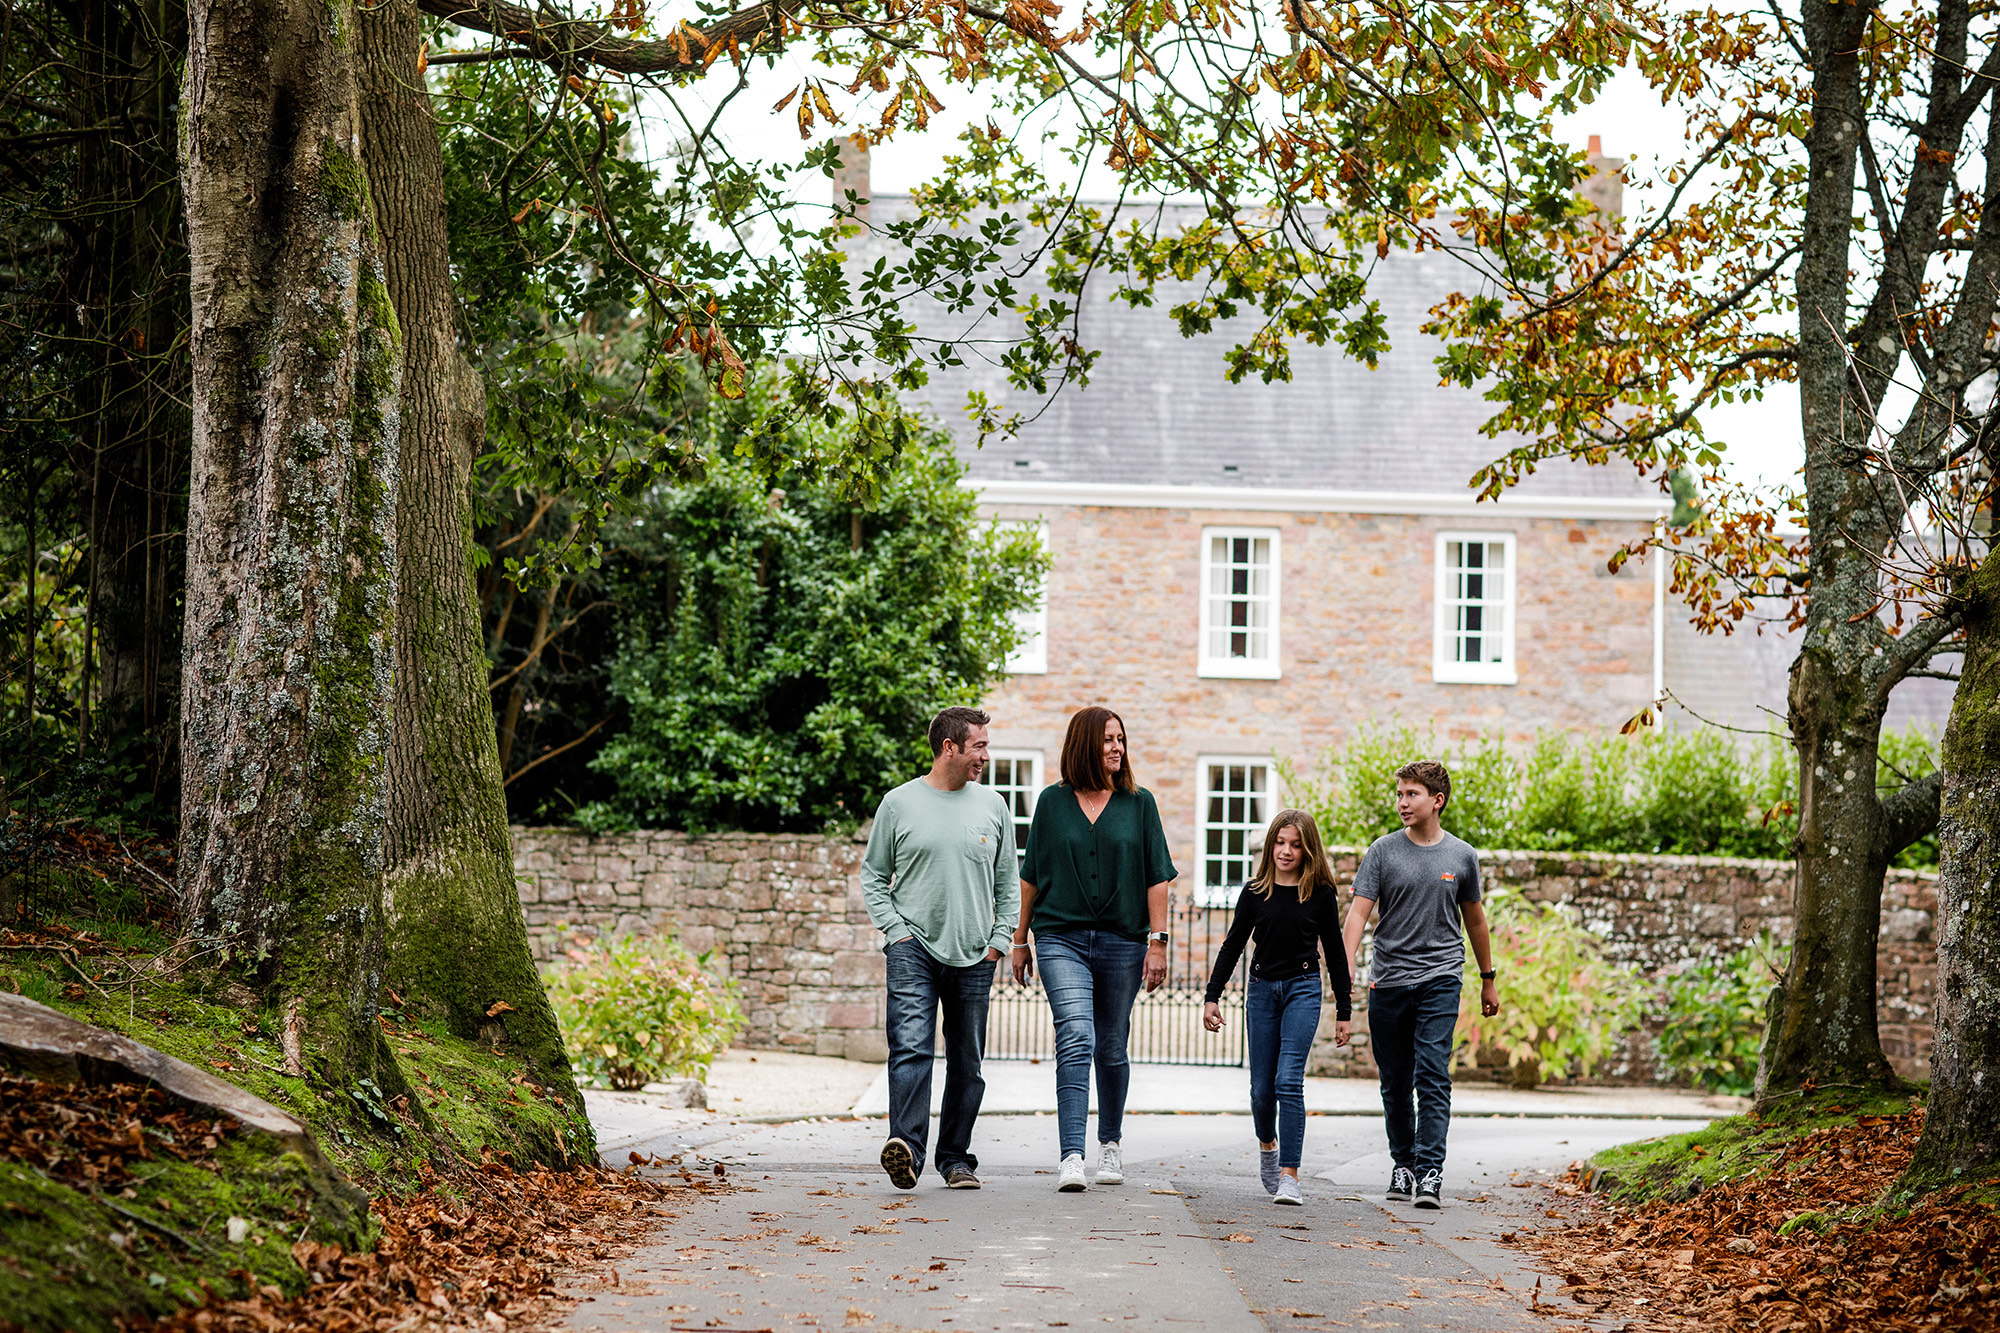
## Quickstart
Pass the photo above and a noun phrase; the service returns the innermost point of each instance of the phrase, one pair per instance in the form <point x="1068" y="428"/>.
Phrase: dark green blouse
<point x="1095" y="876"/>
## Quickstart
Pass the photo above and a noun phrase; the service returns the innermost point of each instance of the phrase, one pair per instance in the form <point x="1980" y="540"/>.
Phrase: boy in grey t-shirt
<point x="1425" y="884"/>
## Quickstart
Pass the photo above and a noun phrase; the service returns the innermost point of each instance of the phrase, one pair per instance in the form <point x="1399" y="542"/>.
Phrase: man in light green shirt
<point x="941" y="885"/>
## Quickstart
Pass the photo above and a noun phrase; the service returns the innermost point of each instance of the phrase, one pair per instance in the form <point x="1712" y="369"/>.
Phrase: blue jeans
<point x="1410" y="1029"/>
<point x="919" y="985"/>
<point x="1280" y="1019"/>
<point x="1091" y="978"/>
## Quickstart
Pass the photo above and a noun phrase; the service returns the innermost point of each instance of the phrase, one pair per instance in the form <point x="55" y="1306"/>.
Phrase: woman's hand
<point x="1156" y="966"/>
<point x="1024" y="963"/>
<point x="1211" y="1016"/>
<point x="1342" y="1031"/>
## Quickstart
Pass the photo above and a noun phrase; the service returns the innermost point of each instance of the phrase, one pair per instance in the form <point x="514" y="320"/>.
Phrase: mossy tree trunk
<point x="1961" y="1137"/>
<point x="457" y="936"/>
<point x="291" y="562"/>
<point x="1823" y="1017"/>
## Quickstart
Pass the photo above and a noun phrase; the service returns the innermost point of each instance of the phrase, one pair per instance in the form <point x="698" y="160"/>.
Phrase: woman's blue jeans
<point x="1091" y="978"/>
<point x="1280" y="1020"/>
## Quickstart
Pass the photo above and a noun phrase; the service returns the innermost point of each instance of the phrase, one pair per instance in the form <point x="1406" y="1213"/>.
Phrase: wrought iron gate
<point x="1166" y="1025"/>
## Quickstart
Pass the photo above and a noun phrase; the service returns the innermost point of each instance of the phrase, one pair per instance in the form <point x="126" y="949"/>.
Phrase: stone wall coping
<point x="1770" y="864"/>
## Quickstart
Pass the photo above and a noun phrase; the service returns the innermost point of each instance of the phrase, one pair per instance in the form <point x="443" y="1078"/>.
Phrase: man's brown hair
<point x="1313" y="868"/>
<point x="1435" y="778"/>
<point x="954" y="725"/>
<point x="1083" y="753"/>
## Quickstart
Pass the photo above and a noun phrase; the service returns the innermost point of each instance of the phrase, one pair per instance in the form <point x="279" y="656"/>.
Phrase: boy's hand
<point x="1342" y="1031"/>
<point x="1211" y="1016"/>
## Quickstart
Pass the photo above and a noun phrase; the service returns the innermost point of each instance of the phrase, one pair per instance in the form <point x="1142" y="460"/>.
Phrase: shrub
<point x="635" y="1011"/>
<point x="1563" y="1008"/>
<point x="1694" y="792"/>
<point x="1715" y="1017"/>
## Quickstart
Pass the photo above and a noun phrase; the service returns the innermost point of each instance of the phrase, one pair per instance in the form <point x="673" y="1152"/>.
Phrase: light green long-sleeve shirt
<point x="940" y="866"/>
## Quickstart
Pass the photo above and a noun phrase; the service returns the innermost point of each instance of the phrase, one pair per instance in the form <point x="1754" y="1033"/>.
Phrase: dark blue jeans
<point x="1280" y="1019"/>
<point x="1091" y="978"/>
<point x="1410" y="1029"/>
<point x="919" y="985"/>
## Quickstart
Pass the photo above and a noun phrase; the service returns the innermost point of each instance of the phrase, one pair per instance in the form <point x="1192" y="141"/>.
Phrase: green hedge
<point x="1694" y="792"/>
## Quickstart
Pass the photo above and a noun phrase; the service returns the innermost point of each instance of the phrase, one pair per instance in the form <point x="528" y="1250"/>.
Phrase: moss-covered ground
<point x="1680" y="1166"/>
<point x="73" y="1258"/>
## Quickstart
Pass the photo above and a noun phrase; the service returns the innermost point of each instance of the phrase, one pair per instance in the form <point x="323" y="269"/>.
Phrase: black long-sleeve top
<point x="1289" y="934"/>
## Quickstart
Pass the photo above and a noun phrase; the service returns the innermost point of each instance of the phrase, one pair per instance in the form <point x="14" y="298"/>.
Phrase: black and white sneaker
<point x="1430" y="1189"/>
<point x="900" y="1164"/>
<point x="1402" y="1184"/>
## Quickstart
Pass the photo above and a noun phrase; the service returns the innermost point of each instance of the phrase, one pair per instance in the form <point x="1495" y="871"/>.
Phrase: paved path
<point x="818" y="1239"/>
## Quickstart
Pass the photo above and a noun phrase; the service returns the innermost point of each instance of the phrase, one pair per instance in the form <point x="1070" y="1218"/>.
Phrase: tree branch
<point x="567" y="42"/>
<point x="1911" y="812"/>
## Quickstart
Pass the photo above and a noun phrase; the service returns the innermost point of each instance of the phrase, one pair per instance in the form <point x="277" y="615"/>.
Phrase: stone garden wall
<point x="784" y="915"/>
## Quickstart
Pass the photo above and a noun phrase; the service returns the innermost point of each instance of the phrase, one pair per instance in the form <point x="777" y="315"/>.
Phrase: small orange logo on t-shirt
<point x="1450" y="878"/>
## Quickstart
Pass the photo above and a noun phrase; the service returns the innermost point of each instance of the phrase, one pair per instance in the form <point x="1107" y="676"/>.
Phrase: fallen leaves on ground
<point x="88" y="1137"/>
<point x="480" y="1250"/>
<point x="1727" y="1259"/>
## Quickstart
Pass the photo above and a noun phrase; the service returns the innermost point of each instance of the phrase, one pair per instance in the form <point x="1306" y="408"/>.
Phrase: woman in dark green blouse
<point x="1094" y="880"/>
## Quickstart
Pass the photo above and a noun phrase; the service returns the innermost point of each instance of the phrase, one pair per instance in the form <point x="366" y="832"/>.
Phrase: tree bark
<point x="291" y="596"/>
<point x="457" y="936"/>
<point x="1961" y="1137"/>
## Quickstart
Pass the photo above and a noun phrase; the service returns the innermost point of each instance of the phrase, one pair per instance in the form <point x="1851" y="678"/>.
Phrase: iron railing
<point x="1166" y="1025"/>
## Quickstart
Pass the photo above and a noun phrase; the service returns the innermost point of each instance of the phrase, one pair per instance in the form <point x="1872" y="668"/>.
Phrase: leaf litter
<point x="1807" y="1243"/>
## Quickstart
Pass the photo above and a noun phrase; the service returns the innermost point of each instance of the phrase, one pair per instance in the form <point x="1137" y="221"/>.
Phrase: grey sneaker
<point x="960" y="1177"/>
<point x="1110" y="1164"/>
<point x="900" y="1164"/>
<point x="1288" y="1191"/>
<point x="1402" y="1184"/>
<point x="1430" y="1189"/>
<point x="1267" y="1169"/>
<point x="1069" y="1176"/>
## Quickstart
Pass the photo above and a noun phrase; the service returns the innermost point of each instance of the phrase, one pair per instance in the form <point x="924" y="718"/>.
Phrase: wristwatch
<point x="1488" y="976"/>
<point x="1157" y="936"/>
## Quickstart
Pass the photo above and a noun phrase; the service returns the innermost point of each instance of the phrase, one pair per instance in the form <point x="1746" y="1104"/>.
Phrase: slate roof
<point x="1159" y="408"/>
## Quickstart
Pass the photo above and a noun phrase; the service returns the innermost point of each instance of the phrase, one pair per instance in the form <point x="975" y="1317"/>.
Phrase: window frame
<point x="1224" y="895"/>
<point x="1031" y="658"/>
<point x="1240" y="668"/>
<point x="1445" y="670"/>
<point x="1033" y="790"/>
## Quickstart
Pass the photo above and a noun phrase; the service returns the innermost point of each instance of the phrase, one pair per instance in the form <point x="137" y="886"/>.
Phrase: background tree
<point x="1828" y="229"/>
<point x="774" y="672"/>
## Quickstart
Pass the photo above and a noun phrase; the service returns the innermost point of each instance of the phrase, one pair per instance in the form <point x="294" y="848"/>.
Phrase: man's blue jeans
<point x="1091" y="978"/>
<point x="919" y="985"/>
<point x="1410" y="1029"/>
<point x="1280" y="1019"/>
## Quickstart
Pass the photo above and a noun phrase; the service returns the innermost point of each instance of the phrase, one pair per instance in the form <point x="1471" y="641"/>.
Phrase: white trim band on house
<point x="1244" y="498"/>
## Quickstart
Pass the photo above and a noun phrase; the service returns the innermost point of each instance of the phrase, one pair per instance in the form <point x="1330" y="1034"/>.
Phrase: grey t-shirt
<point x="1417" y="890"/>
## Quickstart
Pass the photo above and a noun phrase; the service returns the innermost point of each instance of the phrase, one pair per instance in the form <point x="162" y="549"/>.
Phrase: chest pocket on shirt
<point x="981" y="844"/>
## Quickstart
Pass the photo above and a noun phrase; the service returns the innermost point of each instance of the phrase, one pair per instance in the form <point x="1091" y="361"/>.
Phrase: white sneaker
<point x="1110" y="1164"/>
<point x="1288" y="1191"/>
<point x="1069" y="1178"/>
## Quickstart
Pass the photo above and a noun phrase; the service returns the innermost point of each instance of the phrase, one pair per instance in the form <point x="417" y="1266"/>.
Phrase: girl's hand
<point x="1342" y="1030"/>
<point x="1211" y="1016"/>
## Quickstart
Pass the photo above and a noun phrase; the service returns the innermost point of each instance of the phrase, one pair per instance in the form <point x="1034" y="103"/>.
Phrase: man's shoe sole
<point x="900" y="1165"/>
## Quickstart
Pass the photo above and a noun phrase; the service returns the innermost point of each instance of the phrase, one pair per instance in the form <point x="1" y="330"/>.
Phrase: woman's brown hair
<point x="1313" y="868"/>
<point x="1083" y="753"/>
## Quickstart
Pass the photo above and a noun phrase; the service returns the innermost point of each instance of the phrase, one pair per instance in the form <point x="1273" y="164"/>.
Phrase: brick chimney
<point x="1604" y="187"/>
<point x="851" y="174"/>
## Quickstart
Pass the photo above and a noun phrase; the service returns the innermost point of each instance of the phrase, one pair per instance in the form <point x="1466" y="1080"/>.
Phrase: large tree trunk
<point x="457" y="936"/>
<point x="1823" y="1017"/>
<point x="292" y="523"/>
<point x="1961" y="1136"/>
